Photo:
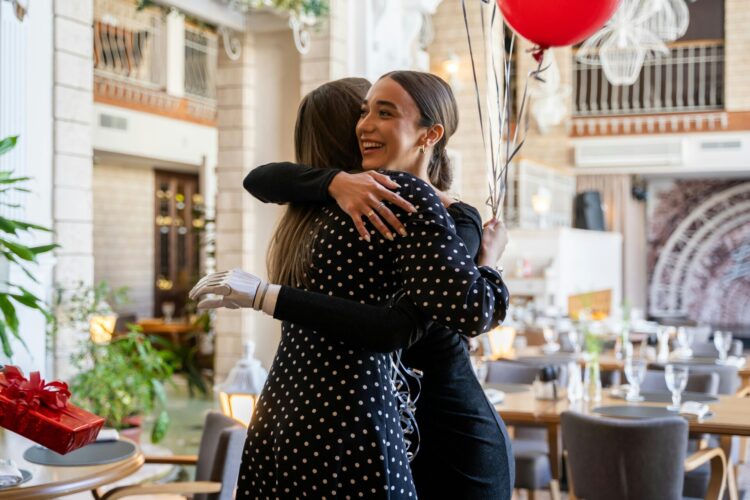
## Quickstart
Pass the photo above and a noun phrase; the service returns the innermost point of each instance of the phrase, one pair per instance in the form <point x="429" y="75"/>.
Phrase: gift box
<point x="41" y="412"/>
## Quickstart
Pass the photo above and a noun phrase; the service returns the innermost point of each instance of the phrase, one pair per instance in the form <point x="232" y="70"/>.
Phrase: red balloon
<point x="555" y="23"/>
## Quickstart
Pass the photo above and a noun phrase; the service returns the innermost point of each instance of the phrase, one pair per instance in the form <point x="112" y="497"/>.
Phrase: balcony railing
<point x="690" y="78"/>
<point x="200" y="62"/>
<point x="129" y="45"/>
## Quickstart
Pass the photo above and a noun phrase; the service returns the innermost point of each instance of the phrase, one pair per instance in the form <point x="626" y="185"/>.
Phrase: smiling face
<point x="388" y="129"/>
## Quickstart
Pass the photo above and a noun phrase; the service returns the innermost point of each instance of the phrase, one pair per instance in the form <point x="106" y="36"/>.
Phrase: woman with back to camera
<point x="464" y="446"/>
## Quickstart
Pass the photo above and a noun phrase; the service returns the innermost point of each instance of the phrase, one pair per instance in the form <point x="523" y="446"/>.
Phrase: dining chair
<point x="530" y="445"/>
<point x="708" y="349"/>
<point x="618" y="459"/>
<point x="703" y="383"/>
<point x="217" y="465"/>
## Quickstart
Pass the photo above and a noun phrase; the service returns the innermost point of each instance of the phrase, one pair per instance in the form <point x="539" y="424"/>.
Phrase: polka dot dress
<point x="327" y="423"/>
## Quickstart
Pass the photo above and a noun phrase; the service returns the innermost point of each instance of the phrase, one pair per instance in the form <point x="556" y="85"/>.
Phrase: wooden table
<point x="731" y="418"/>
<point x="160" y="327"/>
<point x="54" y="482"/>
<point x="608" y="361"/>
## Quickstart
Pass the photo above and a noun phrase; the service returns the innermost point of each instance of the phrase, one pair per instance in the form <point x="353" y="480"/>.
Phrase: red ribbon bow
<point x="31" y="393"/>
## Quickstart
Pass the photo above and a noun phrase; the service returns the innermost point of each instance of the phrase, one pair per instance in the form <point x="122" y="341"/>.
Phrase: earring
<point x="421" y="149"/>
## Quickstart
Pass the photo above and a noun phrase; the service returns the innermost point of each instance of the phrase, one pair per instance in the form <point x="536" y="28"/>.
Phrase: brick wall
<point x="450" y="39"/>
<point x="737" y="54"/>
<point x="124" y="233"/>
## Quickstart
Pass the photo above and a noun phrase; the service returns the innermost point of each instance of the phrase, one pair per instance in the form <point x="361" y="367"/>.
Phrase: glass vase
<point x="592" y="381"/>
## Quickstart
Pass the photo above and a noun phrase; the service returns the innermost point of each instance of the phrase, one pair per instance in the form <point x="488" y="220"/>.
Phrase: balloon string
<point x="474" y="74"/>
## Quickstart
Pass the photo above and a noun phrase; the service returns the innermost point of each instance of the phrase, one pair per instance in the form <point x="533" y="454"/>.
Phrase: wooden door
<point x="179" y="223"/>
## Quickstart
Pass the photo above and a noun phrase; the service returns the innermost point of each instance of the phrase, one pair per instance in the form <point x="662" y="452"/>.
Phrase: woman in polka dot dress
<point x="464" y="449"/>
<point x="327" y="422"/>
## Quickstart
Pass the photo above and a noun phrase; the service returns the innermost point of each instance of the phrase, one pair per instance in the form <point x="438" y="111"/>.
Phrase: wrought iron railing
<point x="129" y="45"/>
<point x="690" y="78"/>
<point x="200" y="62"/>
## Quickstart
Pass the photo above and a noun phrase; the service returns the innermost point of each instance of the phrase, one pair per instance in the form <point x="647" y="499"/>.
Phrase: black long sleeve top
<point x="399" y="323"/>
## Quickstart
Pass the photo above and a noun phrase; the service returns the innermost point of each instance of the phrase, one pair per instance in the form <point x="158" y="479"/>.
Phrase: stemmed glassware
<point x="676" y="377"/>
<point x="722" y="342"/>
<point x="635" y="372"/>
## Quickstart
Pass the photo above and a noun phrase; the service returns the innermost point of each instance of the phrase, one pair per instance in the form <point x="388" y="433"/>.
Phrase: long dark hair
<point x="437" y="105"/>
<point x="324" y="137"/>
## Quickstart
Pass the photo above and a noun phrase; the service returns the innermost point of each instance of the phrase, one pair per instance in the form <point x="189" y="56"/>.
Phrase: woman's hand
<point x="362" y="195"/>
<point x="494" y="241"/>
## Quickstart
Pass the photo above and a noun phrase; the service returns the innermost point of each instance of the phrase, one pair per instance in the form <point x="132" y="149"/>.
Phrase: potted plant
<point x="123" y="380"/>
<point x="17" y="253"/>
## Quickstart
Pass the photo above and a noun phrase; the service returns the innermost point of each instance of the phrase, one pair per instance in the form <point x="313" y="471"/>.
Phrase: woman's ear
<point x="434" y="134"/>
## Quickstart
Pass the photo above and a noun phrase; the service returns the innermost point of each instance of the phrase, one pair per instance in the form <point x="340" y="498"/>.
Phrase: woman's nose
<point x="365" y="124"/>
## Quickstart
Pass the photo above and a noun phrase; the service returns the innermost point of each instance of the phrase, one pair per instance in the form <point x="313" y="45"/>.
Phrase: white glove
<point x="233" y="289"/>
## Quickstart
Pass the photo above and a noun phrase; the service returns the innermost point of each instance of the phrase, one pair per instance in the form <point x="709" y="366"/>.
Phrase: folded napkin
<point x="495" y="396"/>
<point x="107" y="434"/>
<point x="9" y="473"/>
<point x="550" y="348"/>
<point x="694" y="409"/>
<point x="735" y="361"/>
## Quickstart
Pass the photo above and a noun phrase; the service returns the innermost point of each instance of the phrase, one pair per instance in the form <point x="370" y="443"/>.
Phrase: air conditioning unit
<point x="628" y="153"/>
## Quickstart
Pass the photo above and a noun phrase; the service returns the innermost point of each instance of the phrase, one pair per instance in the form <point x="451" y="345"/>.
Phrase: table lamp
<point x="238" y="394"/>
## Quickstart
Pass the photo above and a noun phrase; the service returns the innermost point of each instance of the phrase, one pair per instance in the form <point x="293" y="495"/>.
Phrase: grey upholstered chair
<point x="530" y="446"/>
<point x="217" y="465"/>
<point x="704" y="383"/>
<point x="708" y="349"/>
<point x="613" y="459"/>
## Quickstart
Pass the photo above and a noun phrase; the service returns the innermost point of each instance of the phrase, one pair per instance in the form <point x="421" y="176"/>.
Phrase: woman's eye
<point x="362" y="112"/>
<point x="384" y="113"/>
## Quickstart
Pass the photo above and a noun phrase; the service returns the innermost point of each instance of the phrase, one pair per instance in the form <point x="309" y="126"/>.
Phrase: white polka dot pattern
<point x="326" y="423"/>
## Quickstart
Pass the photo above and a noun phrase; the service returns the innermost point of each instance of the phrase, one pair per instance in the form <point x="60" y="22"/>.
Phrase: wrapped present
<point x="40" y="411"/>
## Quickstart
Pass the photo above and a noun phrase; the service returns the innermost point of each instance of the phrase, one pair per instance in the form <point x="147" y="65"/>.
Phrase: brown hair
<point x="437" y="105"/>
<point x="324" y="137"/>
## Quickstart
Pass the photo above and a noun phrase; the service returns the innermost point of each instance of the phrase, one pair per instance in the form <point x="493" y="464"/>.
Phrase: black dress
<point x="464" y="447"/>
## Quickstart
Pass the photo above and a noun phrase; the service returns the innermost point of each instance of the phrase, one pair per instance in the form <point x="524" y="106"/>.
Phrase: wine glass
<point x="676" y="377"/>
<point x="167" y="309"/>
<point x="574" y="337"/>
<point x="722" y="342"/>
<point x="550" y="338"/>
<point x="480" y="368"/>
<point x="635" y="372"/>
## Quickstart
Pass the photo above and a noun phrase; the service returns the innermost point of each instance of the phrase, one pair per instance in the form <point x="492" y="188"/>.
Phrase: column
<point x="73" y="164"/>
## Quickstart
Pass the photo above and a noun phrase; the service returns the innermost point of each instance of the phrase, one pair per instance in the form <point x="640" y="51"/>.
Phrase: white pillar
<point x="235" y="239"/>
<point x="73" y="155"/>
<point x="175" y="53"/>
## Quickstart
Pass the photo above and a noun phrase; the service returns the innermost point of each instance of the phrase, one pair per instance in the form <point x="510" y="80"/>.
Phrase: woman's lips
<point x="371" y="147"/>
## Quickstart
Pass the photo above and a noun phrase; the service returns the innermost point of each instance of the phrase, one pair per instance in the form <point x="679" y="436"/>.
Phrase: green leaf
<point x="9" y="312"/>
<point x="43" y="249"/>
<point x="28" y="226"/>
<point x="7" y="144"/>
<point x="160" y="427"/>
<point x="14" y="180"/>
<point x="18" y="249"/>
<point x="5" y="341"/>
<point x="159" y="392"/>
<point x="7" y="226"/>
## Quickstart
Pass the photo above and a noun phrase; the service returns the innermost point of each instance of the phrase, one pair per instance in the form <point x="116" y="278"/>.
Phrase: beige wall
<point x="450" y="38"/>
<point x="737" y="54"/>
<point x="551" y="149"/>
<point x="124" y="232"/>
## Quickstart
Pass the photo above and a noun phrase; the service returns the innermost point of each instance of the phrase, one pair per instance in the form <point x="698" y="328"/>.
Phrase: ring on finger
<point x="380" y="205"/>
<point x="370" y="213"/>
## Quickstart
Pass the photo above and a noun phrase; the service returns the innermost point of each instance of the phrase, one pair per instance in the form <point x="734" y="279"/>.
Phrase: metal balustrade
<point x="690" y="78"/>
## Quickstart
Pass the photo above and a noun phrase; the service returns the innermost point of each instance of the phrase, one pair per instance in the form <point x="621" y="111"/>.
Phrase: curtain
<point x="625" y="215"/>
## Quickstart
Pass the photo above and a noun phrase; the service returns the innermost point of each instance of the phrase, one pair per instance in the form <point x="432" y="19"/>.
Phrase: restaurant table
<point x="608" y="360"/>
<point x="731" y="417"/>
<point x="174" y="329"/>
<point x="54" y="482"/>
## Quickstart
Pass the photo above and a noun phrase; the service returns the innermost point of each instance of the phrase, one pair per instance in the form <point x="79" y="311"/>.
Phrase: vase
<point x="592" y="381"/>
